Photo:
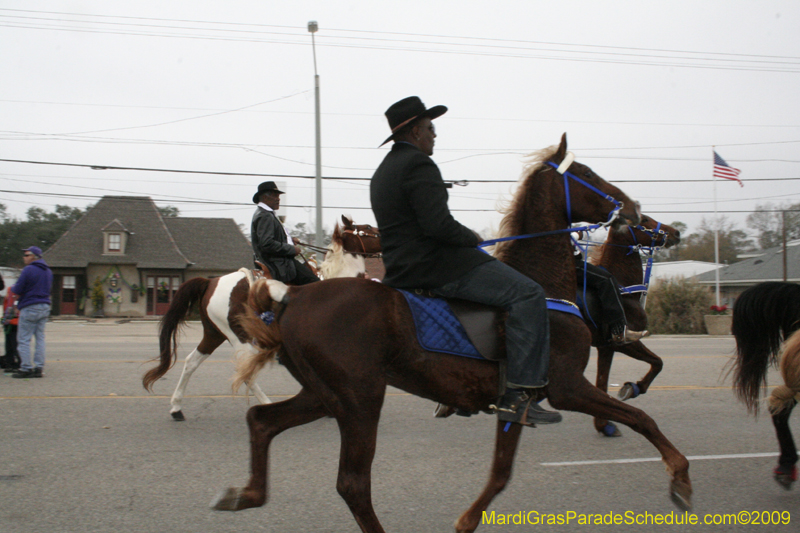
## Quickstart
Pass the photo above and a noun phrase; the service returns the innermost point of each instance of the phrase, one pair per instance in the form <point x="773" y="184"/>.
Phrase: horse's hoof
<point x="785" y="478"/>
<point x="443" y="411"/>
<point x="629" y="390"/>
<point x="681" y="496"/>
<point x="178" y="415"/>
<point x="227" y="500"/>
<point x="610" y="430"/>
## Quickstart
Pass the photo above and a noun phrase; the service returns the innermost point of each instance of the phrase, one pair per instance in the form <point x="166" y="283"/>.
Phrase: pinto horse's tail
<point x="189" y="294"/>
<point x="763" y="316"/>
<point x="783" y="396"/>
<point x="260" y="322"/>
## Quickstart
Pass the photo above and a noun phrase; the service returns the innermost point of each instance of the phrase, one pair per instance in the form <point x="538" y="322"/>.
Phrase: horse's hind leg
<point x="786" y="471"/>
<point x="265" y="423"/>
<point x="605" y="356"/>
<point x="504" y="451"/>
<point x="208" y="344"/>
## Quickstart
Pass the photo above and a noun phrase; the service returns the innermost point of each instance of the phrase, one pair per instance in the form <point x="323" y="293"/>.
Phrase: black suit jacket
<point x="423" y="245"/>
<point x="270" y="245"/>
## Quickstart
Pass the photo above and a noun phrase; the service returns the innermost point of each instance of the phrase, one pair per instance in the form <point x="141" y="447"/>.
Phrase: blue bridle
<point x="612" y="216"/>
<point x="555" y="304"/>
<point x="650" y="251"/>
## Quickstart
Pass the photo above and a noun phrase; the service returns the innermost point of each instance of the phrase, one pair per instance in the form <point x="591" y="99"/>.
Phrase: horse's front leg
<point x="265" y="423"/>
<point x="640" y="352"/>
<point x="252" y="386"/>
<point x="786" y="471"/>
<point x="506" y="440"/>
<point x="571" y="391"/>
<point x="605" y="356"/>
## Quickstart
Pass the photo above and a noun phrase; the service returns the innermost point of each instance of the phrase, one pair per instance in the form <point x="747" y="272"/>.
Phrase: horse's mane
<point x="513" y="210"/>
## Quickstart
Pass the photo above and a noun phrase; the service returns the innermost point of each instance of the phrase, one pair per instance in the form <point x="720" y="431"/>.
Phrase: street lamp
<point x="312" y="28"/>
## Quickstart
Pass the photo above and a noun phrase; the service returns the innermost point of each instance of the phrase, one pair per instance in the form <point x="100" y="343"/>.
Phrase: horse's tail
<point x="187" y="295"/>
<point x="260" y="322"/>
<point x="783" y="396"/>
<point x="762" y="316"/>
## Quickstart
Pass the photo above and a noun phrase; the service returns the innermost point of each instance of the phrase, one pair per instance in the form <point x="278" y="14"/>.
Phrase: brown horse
<point x="220" y="300"/>
<point x="620" y="255"/>
<point x="345" y="340"/>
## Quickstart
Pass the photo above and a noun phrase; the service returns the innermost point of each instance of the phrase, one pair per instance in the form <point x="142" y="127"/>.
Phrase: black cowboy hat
<point x="267" y="186"/>
<point x="403" y="112"/>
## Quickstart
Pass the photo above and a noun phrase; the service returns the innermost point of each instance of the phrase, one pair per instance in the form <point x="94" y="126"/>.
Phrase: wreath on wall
<point x="115" y="273"/>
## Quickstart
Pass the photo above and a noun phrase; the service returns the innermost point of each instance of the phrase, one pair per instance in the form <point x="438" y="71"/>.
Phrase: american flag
<point x="724" y="170"/>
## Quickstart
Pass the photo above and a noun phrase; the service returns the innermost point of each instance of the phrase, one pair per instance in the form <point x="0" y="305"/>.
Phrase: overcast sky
<point x="643" y="90"/>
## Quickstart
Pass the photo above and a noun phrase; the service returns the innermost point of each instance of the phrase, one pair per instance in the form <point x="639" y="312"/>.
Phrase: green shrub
<point x="677" y="306"/>
<point x="98" y="295"/>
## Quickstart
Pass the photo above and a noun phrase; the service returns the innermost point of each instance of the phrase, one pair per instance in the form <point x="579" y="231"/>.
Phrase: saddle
<point x="457" y="327"/>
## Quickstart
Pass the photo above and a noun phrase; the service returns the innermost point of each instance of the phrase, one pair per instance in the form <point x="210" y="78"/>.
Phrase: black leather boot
<point x="517" y="406"/>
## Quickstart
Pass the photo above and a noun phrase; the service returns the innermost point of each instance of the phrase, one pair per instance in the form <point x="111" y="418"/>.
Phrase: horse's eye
<point x="587" y="174"/>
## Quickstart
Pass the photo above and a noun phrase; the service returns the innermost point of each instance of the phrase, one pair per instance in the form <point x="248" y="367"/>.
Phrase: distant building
<point x="140" y="257"/>
<point x="680" y="269"/>
<point x="10" y="276"/>
<point x="765" y="266"/>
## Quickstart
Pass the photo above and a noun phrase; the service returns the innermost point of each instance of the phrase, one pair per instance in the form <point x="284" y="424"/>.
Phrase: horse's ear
<point x="347" y="222"/>
<point x="561" y="153"/>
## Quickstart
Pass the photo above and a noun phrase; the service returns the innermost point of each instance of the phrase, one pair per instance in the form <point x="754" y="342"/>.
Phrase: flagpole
<point x="716" y="226"/>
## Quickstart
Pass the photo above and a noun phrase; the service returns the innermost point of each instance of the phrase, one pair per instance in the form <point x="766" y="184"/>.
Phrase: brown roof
<point x="153" y="241"/>
<point x="211" y="243"/>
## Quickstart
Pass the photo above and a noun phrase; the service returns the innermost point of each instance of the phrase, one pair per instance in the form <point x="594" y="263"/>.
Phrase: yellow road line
<point x="163" y="396"/>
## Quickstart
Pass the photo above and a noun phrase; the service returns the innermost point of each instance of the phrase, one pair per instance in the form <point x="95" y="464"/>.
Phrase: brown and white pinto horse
<point x="220" y="300"/>
<point x="620" y="255"/>
<point x="763" y="317"/>
<point x="350" y="244"/>
<point x="345" y="340"/>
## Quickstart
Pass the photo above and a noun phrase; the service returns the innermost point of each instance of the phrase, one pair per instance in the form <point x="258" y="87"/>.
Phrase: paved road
<point x="86" y="449"/>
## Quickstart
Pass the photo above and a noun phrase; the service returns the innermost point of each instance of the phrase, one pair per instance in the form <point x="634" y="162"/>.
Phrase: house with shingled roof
<point x="767" y="265"/>
<point x="139" y="256"/>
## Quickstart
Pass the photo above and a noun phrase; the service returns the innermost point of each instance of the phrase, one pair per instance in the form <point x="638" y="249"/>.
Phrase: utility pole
<point x="312" y="28"/>
<point x="783" y="219"/>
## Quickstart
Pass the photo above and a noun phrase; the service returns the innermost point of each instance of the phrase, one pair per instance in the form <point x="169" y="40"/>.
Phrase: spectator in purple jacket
<point x="33" y="288"/>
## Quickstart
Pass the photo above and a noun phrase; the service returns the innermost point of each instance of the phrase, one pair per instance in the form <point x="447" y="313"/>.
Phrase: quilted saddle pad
<point x="438" y="329"/>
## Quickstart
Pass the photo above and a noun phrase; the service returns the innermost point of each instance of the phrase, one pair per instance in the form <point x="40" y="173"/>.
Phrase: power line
<point x="423" y="43"/>
<point x="334" y="178"/>
<point x="344" y="207"/>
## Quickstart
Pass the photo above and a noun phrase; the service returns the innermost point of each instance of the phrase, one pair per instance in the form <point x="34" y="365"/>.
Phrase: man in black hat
<point x="425" y="247"/>
<point x="272" y="245"/>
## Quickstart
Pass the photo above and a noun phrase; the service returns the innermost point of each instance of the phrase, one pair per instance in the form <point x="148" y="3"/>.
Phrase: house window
<point x="114" y="242"/>
<point x="68" y="289"/>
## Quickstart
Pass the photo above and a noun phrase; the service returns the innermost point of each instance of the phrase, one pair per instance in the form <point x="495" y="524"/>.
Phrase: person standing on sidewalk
<point x="10" y="361"/>
<point x="33" y="288"/>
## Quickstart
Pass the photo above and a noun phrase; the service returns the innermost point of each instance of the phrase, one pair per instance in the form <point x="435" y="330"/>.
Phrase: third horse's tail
<point x="763" y="316"/>
<point x="187" y="296"/>
<point x="784" y="395"/>
<point x="260" y="322"/>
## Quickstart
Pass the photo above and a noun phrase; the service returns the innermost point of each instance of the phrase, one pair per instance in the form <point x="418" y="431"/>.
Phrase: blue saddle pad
<point x="438" y="329"/>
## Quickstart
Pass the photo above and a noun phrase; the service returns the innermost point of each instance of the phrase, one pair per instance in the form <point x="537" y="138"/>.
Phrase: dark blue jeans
<point x="527" y="327"/>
